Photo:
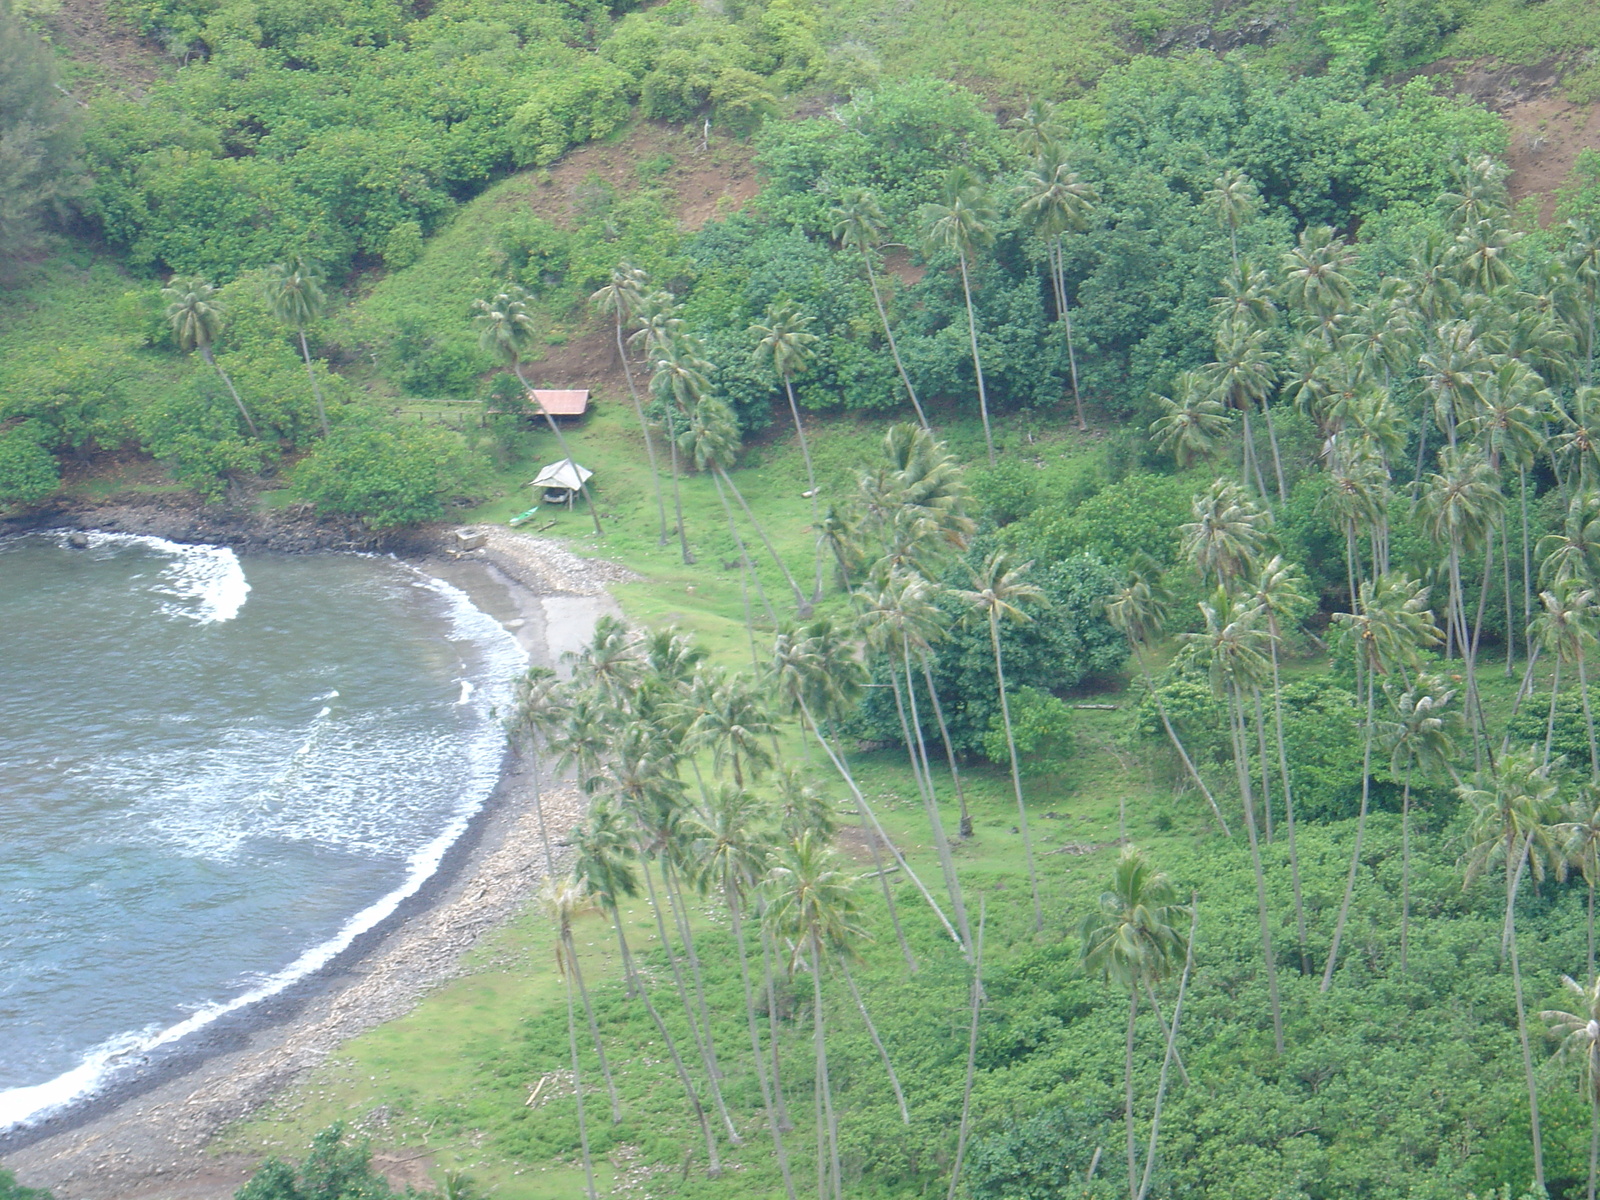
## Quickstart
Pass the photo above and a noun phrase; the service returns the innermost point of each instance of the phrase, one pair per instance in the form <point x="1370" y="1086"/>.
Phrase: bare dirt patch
<point x="113" y="56"/>
<point x="1547" y="135"/>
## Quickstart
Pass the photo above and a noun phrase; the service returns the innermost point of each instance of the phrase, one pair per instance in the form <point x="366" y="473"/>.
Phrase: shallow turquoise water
<point x="213" y="771"/>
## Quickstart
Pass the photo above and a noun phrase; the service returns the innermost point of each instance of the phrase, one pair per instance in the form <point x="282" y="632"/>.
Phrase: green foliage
<point x="1140" y="513"/>
<point x="38" y="138"/>
<point x="10" y="1189"/>
<point x="568" y="105"/>
<point x="334" y="1170"/>
<point x="388" y="474"/>
<point x="1047" y="1156"/>
<point x="1041" y="726"/>
<point x="1569" y="732"/>
<point x="28" y="471"/>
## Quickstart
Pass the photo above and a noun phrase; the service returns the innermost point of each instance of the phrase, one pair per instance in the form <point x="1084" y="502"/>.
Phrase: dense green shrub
<point x="28" y="471"/>
<point x="39" y="132"/>
<point x="334" y="1170"/>
<point x="384" y="472"/>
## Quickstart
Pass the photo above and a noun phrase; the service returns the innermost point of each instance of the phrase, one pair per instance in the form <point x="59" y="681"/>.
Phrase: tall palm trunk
<point x="1513" y="879"/>
<point x="680" y="916"/>
<point x="1588" y="715"/>
<point x="1059" y="270"/>
<point x="965" y="828"/>
<point x="566" y="451"/>
<point x="636" y="981"/>
<point x="1277" y="459"/>
<point x="894" y="350"/>
<point x="677" y="497"/>
<point x="1288" y="799"/>
<point x="877" y="1042"/>
<point x="972" y="1052"/>
<point x="785" y="1125"/>
<point x="688" y="1008"/>
<point x="1262" y="764"/>
<point x="1241" y="757"/>
<point x="866" y="810"/>
<point x="577" y="1081"/>
<point x="644" y="428"/>
<point x="802" y="605"/>
<point x="1177" y="743"/>
<point x="1171" y="1054"/>
<point x="1361" y="829"/>
<point x="731" y="898"/>
<point x="829" y="1126"/>
<point x="811" y="484"/>
<point x="205" y="353"/>
<point x="594" y="1028"/>
<point x="941" y="843"/>
<point x="1405" y="870"/>
<point x="316" y="388"/>
<point x="977" y="362"/>
<point x="1127" y="1093"/>
<point x="1016" y="771"/>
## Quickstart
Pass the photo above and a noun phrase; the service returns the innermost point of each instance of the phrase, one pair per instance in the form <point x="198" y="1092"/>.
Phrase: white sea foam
<point x="206" y="583"/>
<point x="500" y="659"/>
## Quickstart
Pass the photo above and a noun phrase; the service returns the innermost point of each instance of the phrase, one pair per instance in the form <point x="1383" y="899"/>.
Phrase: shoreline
<point x="147" y="1135"/>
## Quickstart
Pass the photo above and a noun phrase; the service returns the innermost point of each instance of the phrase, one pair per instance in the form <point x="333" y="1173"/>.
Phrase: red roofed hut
<point x="570" y="402"/>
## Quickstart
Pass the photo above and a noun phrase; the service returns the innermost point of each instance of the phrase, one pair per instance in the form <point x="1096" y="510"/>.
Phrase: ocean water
<point x="215" y="773"/>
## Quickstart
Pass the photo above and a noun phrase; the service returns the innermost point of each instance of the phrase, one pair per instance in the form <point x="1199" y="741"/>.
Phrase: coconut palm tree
<point x="537" y="711"/>
<point x="711" y="442"/>
<point x="1231" y="647"/>
<point x="623" y="296"/>
<point x="900" y="619"/>
<point x="1513" y="804"/>
<point x="1391" y="624"/>
<point x="1278" y="591"/>
<point x="858" y="221"/>
<point x="1134" y="939"/>
<point x="1580" y="1039"/>
<point x="1421" y="739"/>
<point x="1316" y="278"/>
<point x="963" y="224"/>
<point x="1460" y="503"/>
<point x="1192" y="421"/>
<point x="786" y="344"/>
<point x="506" y="329"/>
<point x="998" y="593"/>
<point x="1054" y="201"/>
<point x="197" y="318"/>
<point x="1141" y="609"/>
<point x="295" y="296"/>
<point x="1236" y="199"/>
<point x="1242" y="377"/>
<point x="604" y="864"/>
<point x="734" y="724"/>
<point x="1226" y="536"/>
<point x="813" y="908"/>
<point x="561" y="899"/>
<point x="1565" y="628"/>
<point x="730" y="848"/>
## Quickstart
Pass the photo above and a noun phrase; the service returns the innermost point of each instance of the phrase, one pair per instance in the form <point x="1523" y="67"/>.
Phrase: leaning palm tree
<point x="785" y="343"/>
<point x="1513" y="804"/>
<point x="196" y="318"/>
<point x="1053" y="201"/>
<point x="1236" y="199"/>
<point x="1580" y="1039"/>
<point x="711" y="442"/>
<point x="1141" y="610"/>
<point x="604" y="864"/>
<point x="561" y="899"/>
<point x="963" y="224"/>
<point x="1133" y="939"/>
<point x="295" y="296"/>
<point x="998" y="593"/>
<point x="1565" y="628"/>
<point x="731" y="843"/>
<point x="1227" y="534"/>
<point x="623" y="296"/>
<point x="1242" y="377"/>
<point x="859" y="222"/>
<point x="506" y="330"/>
<point x="813" y="908"/>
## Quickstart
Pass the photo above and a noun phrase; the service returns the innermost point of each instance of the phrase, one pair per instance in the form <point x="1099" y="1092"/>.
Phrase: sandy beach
<point x="147" y="1137"/>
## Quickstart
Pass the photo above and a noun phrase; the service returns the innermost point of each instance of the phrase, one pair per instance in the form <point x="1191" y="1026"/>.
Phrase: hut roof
<point x="569" y="402"/>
